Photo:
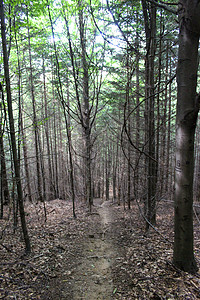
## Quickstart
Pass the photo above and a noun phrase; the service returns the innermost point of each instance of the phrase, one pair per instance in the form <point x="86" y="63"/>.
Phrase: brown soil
<point x="91" y="277"/>
<point x="103" y="255"/>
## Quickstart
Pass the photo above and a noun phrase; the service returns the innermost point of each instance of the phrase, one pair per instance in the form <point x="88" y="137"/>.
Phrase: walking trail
<point x="93" y="277"/>
<point x="100" y="256"/>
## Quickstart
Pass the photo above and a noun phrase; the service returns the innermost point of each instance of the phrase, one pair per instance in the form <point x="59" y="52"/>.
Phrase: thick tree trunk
<point x="86" y="108"/>
<point x="187" y="112"/>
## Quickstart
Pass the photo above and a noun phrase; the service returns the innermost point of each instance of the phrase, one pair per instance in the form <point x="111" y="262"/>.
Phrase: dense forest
<point x="99" y="99"/>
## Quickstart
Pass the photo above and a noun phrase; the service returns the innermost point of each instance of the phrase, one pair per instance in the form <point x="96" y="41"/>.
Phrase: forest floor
<point x="100" y="255"/>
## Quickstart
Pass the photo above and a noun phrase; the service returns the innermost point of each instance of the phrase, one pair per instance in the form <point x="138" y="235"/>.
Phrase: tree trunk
<point x="4" y="182"/>
<point x="128" y="87"/>
<point x="12" y="131"/>
<point x="150" y="29"/>
<point x="138" y="125"/>
<point x="5" y="195"/>
<point x="67" y="118"/>
<point x="107" y="169"/>
<point x="86" y="108"/>
<point x="168" y="161"/>
<point x="114" y="172"/>
<point x="187" y="112"/>
<point x="35" y="125"/>
<point x="21" y="127"/>
<point x="51" y="186"/>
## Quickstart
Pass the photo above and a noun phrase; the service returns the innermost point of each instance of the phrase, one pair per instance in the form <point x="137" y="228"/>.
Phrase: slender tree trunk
<point x="102" y="177"/>
<point x="107" y="170"/>
<point x="5" y="194"/>
<point x="57" y="190"/>
<point x="168" y="167"/>
<point x="21" y="127"/>
<point x="35" y="125"/>
<point x="115" y="159"/>
<point x="1" y="195"/>
<point x="68" y="128"/>
<point x="129" y="133"/>
<point x="150" y="29"/>
<point x="158" y="108"/>
<point x="54" y="141"/>
<point x="4" y="181"/>
<point x="67" y="123"/>
<point x="12" y="131"/>
<point x="51" y="187"/>
<point x="163" y="170"/>
<point x="26" y="166"/>
<point x="136" y="169"/>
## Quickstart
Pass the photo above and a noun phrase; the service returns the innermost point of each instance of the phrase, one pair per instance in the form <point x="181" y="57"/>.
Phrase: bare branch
<point x="164" y="6"/>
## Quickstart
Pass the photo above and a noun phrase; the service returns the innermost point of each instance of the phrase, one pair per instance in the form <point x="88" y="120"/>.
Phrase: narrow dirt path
<point x="103" y="255"/>
<point x="93" y="277"/>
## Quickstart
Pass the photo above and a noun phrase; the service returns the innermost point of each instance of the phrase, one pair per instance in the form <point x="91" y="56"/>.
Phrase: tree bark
<point x="51" y="186"/>
<point x="86" y="109"/>
<point x="35" y="125"/>
<point x="149" y="13"/>
<point x="168" y="160"/>
<point x="12" y="131"/>
<point x="21" y="127"/>
<point x="187" y="112"/>
<point x="4" y="182"/>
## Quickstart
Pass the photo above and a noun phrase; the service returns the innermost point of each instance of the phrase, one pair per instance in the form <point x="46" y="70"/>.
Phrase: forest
<point x="99" y="149"/>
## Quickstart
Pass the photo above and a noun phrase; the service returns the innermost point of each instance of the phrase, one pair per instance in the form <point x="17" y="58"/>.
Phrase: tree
<point x="4" y="182"/>
<point x="20" y="121"/>
<point x="86" y="116"/>
<point x="12" y="130"/>
<point x="87" y="77"/>
<point x="187" y="112"/>
<point x="35" y="121"/>
<point x="150" y="30"/>
<point x="66" y="116"/>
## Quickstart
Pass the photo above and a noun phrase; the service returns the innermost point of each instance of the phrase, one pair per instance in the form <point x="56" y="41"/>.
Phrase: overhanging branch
<point x="164" y="6"/>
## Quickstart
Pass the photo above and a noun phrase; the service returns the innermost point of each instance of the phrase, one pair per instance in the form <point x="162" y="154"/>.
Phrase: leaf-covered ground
<point x="74" y="259"/>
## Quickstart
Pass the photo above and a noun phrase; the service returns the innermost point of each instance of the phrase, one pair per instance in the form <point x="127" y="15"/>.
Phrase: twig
<point x="150" y="224"/>
<point x="196" y="214"/>
<point x="165" y="7"/>
<point x="9" y="250"/>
